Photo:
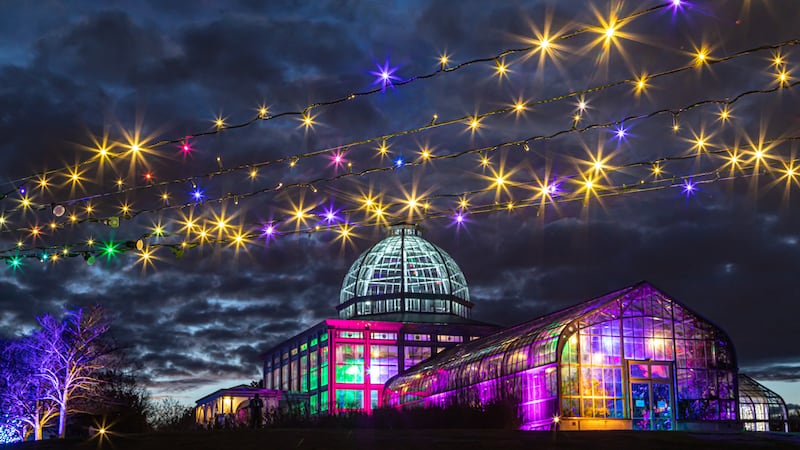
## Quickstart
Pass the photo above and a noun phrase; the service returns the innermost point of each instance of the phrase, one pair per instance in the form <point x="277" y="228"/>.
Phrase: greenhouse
<point x="760" y="408"/>
<point x="631" y="359"/>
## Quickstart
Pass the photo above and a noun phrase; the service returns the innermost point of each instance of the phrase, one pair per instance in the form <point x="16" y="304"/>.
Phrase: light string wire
<point x="790" y="172"/>
<point x="320" y="181"/>
<point x="263" y="114"/>
<point x="14" y="256"/>
<point x="31" y="205"/>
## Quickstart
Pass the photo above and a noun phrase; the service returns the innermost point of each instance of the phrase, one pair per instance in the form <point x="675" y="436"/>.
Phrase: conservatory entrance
<point x="651" y="394"/>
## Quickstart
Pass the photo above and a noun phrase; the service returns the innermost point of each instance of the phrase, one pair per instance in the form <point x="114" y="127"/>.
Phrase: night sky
<point x="142" y="71"/>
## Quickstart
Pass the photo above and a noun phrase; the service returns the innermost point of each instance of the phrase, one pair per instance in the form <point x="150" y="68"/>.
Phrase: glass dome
<point x="404" y="274"/>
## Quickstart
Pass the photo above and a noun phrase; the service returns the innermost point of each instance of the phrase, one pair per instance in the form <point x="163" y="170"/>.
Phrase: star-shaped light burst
<point x="384" y="76"/>
<point x="689" y="187"/>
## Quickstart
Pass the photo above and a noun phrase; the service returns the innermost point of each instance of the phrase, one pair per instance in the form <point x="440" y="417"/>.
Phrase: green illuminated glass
<point x="349" y="363"/>
<point x="304" y="373"/>
<point x="323" y="366"/>
<point x="349" y="399"/>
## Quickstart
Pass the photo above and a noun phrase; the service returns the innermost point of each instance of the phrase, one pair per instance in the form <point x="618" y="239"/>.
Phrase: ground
<point x="335" y="439"/>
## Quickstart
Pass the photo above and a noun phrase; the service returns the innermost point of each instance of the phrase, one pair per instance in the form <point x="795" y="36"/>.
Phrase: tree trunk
<point x="62" y="420"/>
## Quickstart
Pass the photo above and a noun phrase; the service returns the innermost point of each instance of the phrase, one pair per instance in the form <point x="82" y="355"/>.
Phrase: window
<point x="349" y="364"/>
<point x="349" y="399"/>
<point x="303" y="347"/>
<point x="383" y="363"/>
<point x="324" y="336"/>
<point x="384" y="336"/>
<point x="418" y="337"/>
<point x="323" y="366"/>
<point x="373" y="399"/>
<point x="285" y="377"/>
<point x="323" y="401"/>
<point x="414" y="355"/>
<point x="313" y="404"/>
<point x="293" y="377"/>
<point x="450" y="338"/>
<point x="314" y="370"/>
<point x="304" y="373"/>
<point x="351" y="334"/>
<point x="294" y="351"/>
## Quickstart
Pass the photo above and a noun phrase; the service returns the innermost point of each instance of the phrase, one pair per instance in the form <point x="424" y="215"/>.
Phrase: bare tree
<point x="22" y="391"/>
<point x="72" y="350"/>
<point x="169" y="414"/>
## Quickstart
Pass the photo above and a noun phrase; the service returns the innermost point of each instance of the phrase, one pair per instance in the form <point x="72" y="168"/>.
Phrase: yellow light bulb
<point x="426" y="154"/>
<point x="219" y="122"/>
<point x="73" y="218"/>
<point x="165" y="196"/>
<point x="724" y="114"/>
<point x="474" y="123"/>
<point x="262" y="112"/>
<point x="609" y="32"/>
<point x="598" y="166"/>
<point x="589" y="184"/>
<point x="253" y="173"/>
<point x="484" y="161"/>
<point x="499" y="181"/>
<point x="90" y="242"/>
<point x="501" y="67"/>
<point x="443" y="59"/>
<point x="53" y="225"/>
<point x="221" y="224"/>
<point x="544" y="44"/>
<point x="519" y="106"/>
<point x="89" y="209"/>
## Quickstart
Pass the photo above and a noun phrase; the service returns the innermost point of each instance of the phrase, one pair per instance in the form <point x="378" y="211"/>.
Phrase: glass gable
<point x="760" y="408"/>
<point x="633" y="355"/>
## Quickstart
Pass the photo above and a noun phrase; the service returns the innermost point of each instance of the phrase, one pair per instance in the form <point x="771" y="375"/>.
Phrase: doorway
<point x="652" y="395"/>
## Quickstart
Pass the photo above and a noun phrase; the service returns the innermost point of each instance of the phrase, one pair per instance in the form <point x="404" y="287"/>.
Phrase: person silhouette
<point x="256" y="411"/>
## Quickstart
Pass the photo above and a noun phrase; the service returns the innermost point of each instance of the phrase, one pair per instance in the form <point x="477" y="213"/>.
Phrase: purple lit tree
<point x="73" y="350"/>
<point x="23" y="392"/>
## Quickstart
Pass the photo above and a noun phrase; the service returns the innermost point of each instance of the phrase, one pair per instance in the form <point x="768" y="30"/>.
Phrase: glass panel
<point x="373" y="395"/>
<point x="640" y="405"/>
<point x="383" y="363"/>
<point x="662" y="407"/>
<point x="304" y="373"/>
<point x="639" y="371"/>
<point x="415" y="355"/>
<point x="349" y="399"/>
<point x="323" y="366"/>
<point x="323" y="401"/>
<point x="658" y="371"/>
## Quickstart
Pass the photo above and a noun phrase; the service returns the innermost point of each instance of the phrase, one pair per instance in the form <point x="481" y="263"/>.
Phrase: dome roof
<point x="404" y="273"/>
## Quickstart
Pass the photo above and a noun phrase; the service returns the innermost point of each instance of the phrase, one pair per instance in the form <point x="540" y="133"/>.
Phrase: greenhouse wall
<point x="632" y="359"/>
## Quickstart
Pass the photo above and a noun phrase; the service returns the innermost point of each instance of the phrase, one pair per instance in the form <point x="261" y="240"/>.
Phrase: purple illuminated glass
<point x="637" y="329"/>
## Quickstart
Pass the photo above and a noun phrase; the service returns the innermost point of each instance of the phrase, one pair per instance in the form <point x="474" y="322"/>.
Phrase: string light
<point x="380" y="208"/>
